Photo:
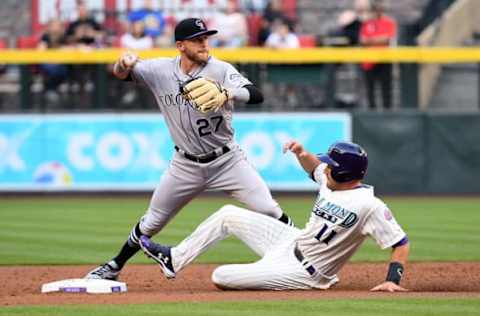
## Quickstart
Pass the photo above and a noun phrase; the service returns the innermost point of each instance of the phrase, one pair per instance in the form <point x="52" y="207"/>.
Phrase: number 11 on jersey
<point x="326" y="238"/>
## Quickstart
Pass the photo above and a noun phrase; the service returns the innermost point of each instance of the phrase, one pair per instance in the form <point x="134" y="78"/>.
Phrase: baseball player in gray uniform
<point x="344" y="214"/>
<point x="196" y="95"/>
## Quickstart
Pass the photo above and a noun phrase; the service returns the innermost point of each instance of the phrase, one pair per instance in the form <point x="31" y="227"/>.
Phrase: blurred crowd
<point x="240" y="23"/>
<point x="265" y="23"/>
<point x="367" y="25"/>
<point x="149" y="27"/>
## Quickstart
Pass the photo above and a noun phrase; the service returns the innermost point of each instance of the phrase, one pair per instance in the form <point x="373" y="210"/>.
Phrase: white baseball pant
<point x="274" y="241"/>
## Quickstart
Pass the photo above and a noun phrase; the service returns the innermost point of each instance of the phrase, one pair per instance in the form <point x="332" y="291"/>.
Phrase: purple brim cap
<point x="206" y="32"/>
<point x="326" y="159"/>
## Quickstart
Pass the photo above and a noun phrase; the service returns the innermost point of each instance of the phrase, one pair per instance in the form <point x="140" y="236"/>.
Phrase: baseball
<point x="129" y="59"/>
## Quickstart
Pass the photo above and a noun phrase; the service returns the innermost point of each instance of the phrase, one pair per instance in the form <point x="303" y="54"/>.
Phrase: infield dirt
<point x="20" y="285"/>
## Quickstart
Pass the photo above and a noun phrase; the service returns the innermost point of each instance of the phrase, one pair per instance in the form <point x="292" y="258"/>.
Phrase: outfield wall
<point x="129" y="152"/>
<point x="421" y="153"/>
<point x="409" y="152"/>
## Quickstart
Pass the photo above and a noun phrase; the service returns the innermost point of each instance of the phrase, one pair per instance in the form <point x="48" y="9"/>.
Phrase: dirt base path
<point x="20" y="285"/>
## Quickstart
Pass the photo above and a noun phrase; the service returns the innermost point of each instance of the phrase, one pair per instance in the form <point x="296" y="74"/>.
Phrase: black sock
<point x="286" y="219"/>
<point x="126" y="253"/>
<point x="130" y="248"/>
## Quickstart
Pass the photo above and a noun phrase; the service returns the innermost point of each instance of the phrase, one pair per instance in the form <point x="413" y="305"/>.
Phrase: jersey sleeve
<point x="143" y="72"/>
<point x="318" y="174"/>
<point x="383" y="227"/>
<point x="234" y="79"/>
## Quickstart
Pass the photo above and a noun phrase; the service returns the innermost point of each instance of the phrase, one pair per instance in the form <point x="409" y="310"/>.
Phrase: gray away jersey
<point x="191" y="130"/>
<point x="340" y="222"/>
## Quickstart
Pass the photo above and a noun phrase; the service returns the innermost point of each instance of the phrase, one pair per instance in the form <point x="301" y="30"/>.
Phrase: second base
<point x="93" y="286"/>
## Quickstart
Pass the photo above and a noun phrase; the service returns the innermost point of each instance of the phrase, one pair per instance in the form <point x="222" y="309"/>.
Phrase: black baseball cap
<point x="190" y="28"/>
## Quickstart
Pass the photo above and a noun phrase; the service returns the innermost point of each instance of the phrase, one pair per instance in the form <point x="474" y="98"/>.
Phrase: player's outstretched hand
<point x="127" y="60"/>
<point x="295" y="147"/>
<point x="388" y="287"/>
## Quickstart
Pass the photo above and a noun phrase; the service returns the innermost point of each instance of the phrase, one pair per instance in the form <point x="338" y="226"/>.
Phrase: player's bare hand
<point x="128" y="60"/>
<point x="295" y="147"/>
<point x="388" y="287"/>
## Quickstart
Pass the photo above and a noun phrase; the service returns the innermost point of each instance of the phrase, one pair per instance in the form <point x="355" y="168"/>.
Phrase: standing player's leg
<point x="180" y="183"/>
<point x="238" y="177"/>
<point x="259" y="232"/>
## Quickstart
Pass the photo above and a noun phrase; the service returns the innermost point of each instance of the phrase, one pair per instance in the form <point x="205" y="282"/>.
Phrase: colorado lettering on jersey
<point x="171" y="99"/>
<point x="334" y="213"/>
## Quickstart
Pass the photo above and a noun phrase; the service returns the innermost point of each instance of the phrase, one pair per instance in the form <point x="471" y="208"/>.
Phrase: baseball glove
<point x="204" y="94"/>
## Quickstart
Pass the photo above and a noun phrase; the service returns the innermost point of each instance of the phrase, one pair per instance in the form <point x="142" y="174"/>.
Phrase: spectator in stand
<point x="273" y="12"/>
<point x="167" y="39"/>
<point x="153" y="19"/>
<point x="232" y="26"/>
<point x="349" y="22"/>
<point x="345" y="33"/>
<point x="253" y="5"/>
<point x="379" y="30"/>
<point x="53" y="74"/>
<point x="282" y="37"/>
<point x="136" y="38"/>
<point x="85" y="31"/>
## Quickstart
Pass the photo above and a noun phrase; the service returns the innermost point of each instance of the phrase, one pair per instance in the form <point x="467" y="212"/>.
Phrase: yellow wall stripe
<point x="259" y="55"/>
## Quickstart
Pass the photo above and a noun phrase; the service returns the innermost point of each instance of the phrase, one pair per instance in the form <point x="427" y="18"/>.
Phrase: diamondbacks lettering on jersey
<point x="335" y="213"/>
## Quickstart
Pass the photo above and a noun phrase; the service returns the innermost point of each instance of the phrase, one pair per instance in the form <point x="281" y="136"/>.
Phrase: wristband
<point x="395" y="272"/>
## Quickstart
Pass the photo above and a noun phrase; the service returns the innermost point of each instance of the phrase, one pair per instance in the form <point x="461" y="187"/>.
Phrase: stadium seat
<point x="170" y="19"/>
<point x="27" y="42"/>
<point x="116" y="42"/>
<point x="254" y="23"/>
<point x="307" y="40"/>
<point x="289" y="8"/>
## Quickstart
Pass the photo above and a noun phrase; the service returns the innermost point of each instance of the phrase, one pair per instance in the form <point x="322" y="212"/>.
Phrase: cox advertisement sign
<point x="131" y="151"/>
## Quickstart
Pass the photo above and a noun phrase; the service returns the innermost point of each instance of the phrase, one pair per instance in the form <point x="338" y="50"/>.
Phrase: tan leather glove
<point x="205" y="94"/>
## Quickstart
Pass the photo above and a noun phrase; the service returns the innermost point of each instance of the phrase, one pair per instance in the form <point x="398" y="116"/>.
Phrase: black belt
<point x="298" y="254"/>
<point x="205" y="158"/>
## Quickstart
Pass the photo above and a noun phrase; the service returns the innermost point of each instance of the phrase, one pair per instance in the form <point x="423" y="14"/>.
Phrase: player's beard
<point x="196" y="58"/>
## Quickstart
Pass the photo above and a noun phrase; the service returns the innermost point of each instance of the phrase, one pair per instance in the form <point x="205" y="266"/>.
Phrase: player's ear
<point x="326" y="171"/>
<point x="180" y="46"/>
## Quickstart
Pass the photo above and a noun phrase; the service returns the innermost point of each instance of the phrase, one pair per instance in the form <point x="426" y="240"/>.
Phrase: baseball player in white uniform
<point x="344" y="214"/>
<point x="195" y="93"/>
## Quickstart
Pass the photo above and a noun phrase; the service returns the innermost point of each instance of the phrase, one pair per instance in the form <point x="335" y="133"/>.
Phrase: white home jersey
<point x="294" y="258"/>
<point x="340" y="222"/>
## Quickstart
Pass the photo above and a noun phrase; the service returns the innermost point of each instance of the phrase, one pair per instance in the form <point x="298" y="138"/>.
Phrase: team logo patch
<point x="234" y="77"/>
<point x="237" y="79"/>
<point x="200" y="24"/>
<point x="388" y="215"/>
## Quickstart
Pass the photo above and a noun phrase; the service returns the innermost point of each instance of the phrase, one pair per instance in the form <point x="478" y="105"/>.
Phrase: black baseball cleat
<point x="161" y="254"/>
<point x="107" y="271"/>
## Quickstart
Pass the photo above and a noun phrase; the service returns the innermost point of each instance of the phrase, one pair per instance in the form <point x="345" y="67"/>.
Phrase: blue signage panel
<point x="131" y="151"/>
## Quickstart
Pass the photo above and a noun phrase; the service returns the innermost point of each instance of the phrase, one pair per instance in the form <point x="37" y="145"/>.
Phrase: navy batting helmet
<point x="348" y="161"/>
